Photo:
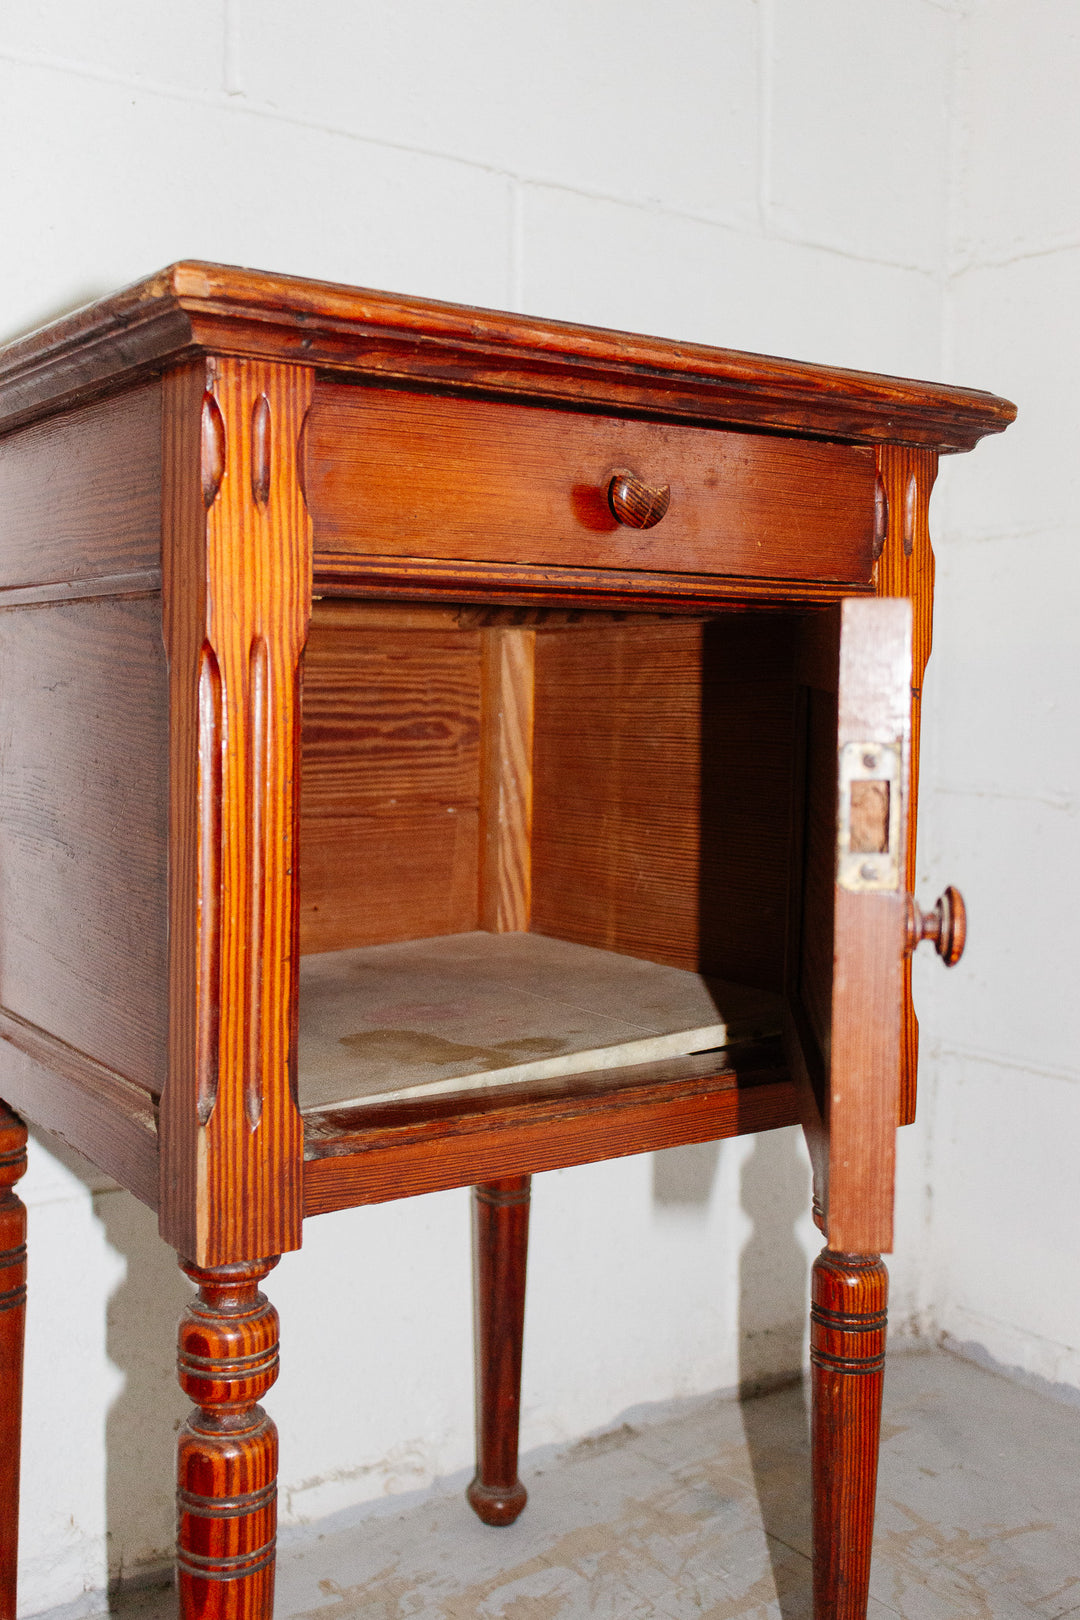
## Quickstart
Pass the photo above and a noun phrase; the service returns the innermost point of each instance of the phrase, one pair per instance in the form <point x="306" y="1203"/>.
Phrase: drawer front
<point x="395" y="474"/>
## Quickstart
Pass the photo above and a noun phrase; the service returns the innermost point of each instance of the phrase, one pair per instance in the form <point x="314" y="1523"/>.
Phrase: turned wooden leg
<point x="12" y="1326"/>
<point x="500" y="1247"/>
<point x="227" y="1455"/>
<point x="847" y="1356"/>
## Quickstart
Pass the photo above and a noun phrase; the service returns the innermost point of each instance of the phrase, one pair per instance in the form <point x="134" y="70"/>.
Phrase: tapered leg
<point x="500" y="1248"/>
<point x="12" y="1325"/>
<point x="227" y="1455"/>
<point x="847" y="1355"/>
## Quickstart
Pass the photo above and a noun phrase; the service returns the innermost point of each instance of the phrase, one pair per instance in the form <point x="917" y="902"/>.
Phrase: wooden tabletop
<point x="192" y="308"/>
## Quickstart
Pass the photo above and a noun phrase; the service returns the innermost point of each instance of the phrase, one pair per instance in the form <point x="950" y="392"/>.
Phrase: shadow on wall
<point x="143" y="1421"/>
<point x="774" y="1307"/>
<point x="774" y="1285"/>
<point x="140" y="1340"/>
<point x="143" y="1311"/>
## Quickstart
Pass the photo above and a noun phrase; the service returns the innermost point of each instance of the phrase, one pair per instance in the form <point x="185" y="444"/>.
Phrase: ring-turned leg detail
<point x="500" y="1249"/>
<point x="847" y="1356"/>
<point x="12" y="1330"/>
<point x="227" y="1454"/>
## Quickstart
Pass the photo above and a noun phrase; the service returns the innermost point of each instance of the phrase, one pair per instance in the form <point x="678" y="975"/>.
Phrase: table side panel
<point x="83" y="824"/>
<point x="393" y="473"/>
<point x="102" y="1116"/>
<point x="80" y="493"/>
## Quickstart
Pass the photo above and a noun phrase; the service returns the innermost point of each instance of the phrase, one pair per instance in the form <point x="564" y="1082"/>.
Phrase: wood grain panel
<point x="80" y="494"/>
<point x="83" y="783"/>
<point x="906" y="568"/>
<point x="369" y="1155"/>
<point x="237" y="559"/>
<point x="662" y="792"/>
<point x="389" y="716"/>
<point x="101" y="1115"/>
<point x="434" y="476"/>
<point x="508" y="658"/>
<point x="391" y="780"/>
<point x="380" y="876"/>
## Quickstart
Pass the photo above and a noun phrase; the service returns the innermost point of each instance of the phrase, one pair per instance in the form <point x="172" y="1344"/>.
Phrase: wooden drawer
<point x="397" y="474"/>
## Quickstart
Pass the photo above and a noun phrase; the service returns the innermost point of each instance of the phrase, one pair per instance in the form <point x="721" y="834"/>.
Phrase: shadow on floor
<point x="774" y="1280"/>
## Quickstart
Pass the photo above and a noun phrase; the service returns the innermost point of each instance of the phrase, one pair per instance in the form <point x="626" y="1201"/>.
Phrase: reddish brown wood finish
<point x="83" y="829"/>
<point x="662" y="791"/>
<point x="508" y="688"/>
<point x="906" y="568"/>
<point x="390" y="803"/>
<point x="371" y="1154"/>
<point x="193" y="307"/>
<point x="227" y="1455"/>
<point x="844" y="1037"/>
<point x="434" y="579"/>
<point x="12" y="1332"/>
<point x="634" y="503"/>
<point x="452" y="456"/>
<point x="80" y="494"/>
<point x="847" y="1359"/>
<point x="412" y="475"/>
<point x="101" y="1115"/>
<point x="945" y="927"/>
<point x="500" y="1250"/>
<point x="237" y="600"/>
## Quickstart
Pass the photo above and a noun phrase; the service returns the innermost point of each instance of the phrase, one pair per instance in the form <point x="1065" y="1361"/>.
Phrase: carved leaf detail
<point x="911" y="502"/>
<point x="260" y="450"/>
<point x="213" y="449"/>
<point x="881" y="516"/>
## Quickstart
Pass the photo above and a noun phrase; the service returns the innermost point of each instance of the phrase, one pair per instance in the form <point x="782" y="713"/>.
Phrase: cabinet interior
<point x="614" y="781"/>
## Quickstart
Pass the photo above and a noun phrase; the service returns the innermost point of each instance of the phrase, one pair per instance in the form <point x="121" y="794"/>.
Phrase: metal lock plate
<point x="868" y="829"/>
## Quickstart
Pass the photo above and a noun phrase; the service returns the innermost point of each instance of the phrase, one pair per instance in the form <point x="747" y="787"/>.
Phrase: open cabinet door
<point x="849" y="910"/>
<point x="845" y="987"/>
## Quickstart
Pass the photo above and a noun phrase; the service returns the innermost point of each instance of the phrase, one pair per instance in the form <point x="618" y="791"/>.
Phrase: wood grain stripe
<point x="507" y="696"/>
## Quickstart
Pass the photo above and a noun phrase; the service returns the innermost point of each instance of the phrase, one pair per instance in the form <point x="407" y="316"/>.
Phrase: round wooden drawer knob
<point x="635" y="504"/>
<point x="945" y="926"/>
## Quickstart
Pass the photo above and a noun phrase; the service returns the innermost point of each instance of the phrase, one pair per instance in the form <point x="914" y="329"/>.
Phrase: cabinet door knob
<point x="945" y="926"/>
<point x="635" y="504"/>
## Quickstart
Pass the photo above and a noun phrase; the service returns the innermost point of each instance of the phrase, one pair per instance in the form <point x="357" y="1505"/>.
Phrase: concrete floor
<point x="701" y="1510"/>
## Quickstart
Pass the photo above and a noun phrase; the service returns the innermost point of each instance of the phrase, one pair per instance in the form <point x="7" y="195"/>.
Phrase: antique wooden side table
<point x="611" y="653"/>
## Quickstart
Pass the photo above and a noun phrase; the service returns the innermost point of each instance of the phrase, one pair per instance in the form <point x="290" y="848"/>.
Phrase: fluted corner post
<point x="904" y="566"/>
<point x="237" y="578"/>
<point x="227" y="1455"/>
<point x="500" y="1250"/>
<point x="12" y="1332"/>
<point x="847" y="1357"/>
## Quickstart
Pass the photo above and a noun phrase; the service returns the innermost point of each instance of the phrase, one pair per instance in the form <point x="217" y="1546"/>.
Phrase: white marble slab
<point x="468" y="1010"/>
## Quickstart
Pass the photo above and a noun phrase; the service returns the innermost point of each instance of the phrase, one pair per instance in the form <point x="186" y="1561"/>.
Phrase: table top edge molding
<point x="193" y="308"/>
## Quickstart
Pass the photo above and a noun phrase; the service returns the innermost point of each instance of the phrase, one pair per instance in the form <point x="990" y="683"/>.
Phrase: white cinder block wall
<point x="879" y="186"/>
<point x="1003" y="1103"/>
